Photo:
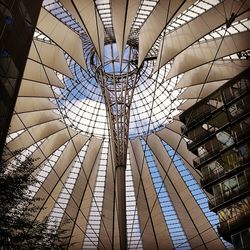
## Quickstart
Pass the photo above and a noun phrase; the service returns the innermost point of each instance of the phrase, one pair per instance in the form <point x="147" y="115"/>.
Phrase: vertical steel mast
<point x="117" y="80"/>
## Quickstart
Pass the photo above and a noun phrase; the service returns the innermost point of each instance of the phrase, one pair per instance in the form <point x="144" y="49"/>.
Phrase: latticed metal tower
<point x="117" y="77"/>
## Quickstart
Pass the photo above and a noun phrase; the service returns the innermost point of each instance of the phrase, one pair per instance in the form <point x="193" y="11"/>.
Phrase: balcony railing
<point x="232" y="194"/>
<point x="231" y="96"/>
<point x="203" y="112"/>
<point x="205" y="134"/>
<point x="206" y="156"/>
<point x="241" y="134"/>
<point x="219" y="148"/>
<point x="239" y="111"/>
<point x="241" y="220"/>
<point x="227" y="165"/>
<point x="219" y="172"/>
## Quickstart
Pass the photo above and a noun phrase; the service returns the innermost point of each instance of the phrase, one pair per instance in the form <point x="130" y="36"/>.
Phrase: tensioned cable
<point x="113" y="66"/>
<point x="99" y="46"/>
<point x="34" y="140"/>
<point x="66" y="128"/>
<point x="146" y="139"/>
<point x="114" y="192"/>
<point x="49" y="193"/>
<point x="235" y="46"/>
<point x="38" y="147"/>
<point x="166" y="176"/>
<point x="144" y="150"/>
<point x="112" y="157"/>
<point x="204" y="232"/>
<point x="77" y="155"/>
<point x="182" y="135"/>
<point x="58" y="105"/>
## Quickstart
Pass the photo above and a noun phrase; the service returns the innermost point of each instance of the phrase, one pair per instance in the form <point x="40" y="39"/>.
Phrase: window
<point x="241" y="240"/>
<point x="237" y="241"/>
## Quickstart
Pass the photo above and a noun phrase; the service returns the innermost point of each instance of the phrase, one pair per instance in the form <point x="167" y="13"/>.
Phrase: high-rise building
<point x="98" y="110"/>
<point x="17" y="26"/>
<point x="218" y="128"/>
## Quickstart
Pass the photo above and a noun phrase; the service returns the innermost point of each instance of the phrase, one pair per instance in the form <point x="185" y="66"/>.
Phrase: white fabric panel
<point x="46" y="146"/>
<point x="191" y="232"/>
<point x="207" y="233"/>
<point x="51" y="144"/>
<point x="163" y="13"/>
<point x="78" y="207"/>
<point x="176" y="118"/>
<point x="106" y="228"/>
<point x="178" y="40"/>
<point x="156" y="234"/>
<point x="175" y="126"/>
<point x="48" y="200"/>
<point x="201" y="90"/>
<point x="31" y="119"/>
<point x="123" y="14"/>
<point x="53" y="184"/>
<point x="35" y="89"/>
<point x="35" y="134"/>
<point x="187" y="104"/>
<point x="220" y="70"/>
<point x="87" y="15"/>
<point x="208" y="51"/>
<point x="173" y="140"/>
<point x="63" y="36"/>
<point x="78" y="236"/>
<point x="50" y="55"/>
<point x="38" y="73"/>
<point x="29" y="104"/>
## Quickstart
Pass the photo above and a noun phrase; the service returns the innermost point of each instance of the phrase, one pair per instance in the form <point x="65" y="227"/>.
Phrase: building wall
<point x="218" y="128"/>
<point x="17" y="24"/>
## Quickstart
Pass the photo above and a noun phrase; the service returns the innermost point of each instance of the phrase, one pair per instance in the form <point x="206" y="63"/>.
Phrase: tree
<point x="18" y="230"/>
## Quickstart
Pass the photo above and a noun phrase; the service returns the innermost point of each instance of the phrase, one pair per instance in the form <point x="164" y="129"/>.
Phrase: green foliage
<point x="18" y="230"/>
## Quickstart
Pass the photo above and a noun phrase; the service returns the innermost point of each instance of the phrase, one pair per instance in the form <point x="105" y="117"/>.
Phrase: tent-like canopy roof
<point x="185" y="50"/>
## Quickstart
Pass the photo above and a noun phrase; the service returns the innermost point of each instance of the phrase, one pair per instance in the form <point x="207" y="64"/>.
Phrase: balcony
<point x="230" y="96"/>
<point x="215" y="151"/>
<point x="201" y="113"/>
<point x="241" y="134"/>
<point x="235" y="224"/>
<point x="232" y="195"/>
<point x="239" y="108"/>
<point x="206" y="156"/>
<point x="198" y="139"/>
<point x="229" y="165"/>
<point x="219" y="172"/>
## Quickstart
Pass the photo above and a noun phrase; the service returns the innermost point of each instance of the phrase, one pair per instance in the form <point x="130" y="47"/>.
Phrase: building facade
<point x="17" y="26"/>
<point x="218" y="128"/>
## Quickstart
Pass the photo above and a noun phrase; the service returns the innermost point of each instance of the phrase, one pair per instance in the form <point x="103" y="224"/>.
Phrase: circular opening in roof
<point x="112" y="62"/>
<point x="83" y="102"/>
<point x="113" y="65"/>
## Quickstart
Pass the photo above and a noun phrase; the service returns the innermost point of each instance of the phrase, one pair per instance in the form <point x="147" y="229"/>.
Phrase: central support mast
<point x="117" y="80"/>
